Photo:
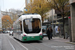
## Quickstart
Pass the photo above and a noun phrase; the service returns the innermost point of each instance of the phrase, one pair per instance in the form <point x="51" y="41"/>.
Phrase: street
<point x="9" y="43"/>
<point x="25" y="24"/>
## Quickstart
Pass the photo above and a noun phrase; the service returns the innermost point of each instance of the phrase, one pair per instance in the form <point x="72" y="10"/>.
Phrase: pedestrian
<point x="48" y="33"/>
<point x="43" y="30"/>
<point x="51" y="33"/>
<point x="59" y="31"/>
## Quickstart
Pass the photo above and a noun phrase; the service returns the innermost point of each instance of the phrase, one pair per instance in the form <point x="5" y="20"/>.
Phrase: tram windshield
<point x="32" y="25"/>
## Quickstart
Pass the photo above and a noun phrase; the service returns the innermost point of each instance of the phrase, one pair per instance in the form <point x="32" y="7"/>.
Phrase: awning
<point x="57" y="23"/>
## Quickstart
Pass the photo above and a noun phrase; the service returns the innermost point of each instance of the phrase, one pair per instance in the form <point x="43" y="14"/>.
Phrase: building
<point x="12" y="13"/>
<point x="51" y="15"/>
<point x="6" y="13"/>
<point x="27" y="2"/>
<point x="72" y="9"/>
<point x="0" y="21"/>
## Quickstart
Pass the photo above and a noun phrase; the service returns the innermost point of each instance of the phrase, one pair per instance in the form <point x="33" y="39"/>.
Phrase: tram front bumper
<point x="31" y="38"/>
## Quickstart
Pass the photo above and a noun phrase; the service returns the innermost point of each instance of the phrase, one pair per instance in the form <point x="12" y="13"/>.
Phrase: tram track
<point x="26" y="44"/>
<point x="18" y="44"/>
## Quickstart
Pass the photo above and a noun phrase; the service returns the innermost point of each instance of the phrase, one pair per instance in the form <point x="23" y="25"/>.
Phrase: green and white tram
<point x="28" y="27"/>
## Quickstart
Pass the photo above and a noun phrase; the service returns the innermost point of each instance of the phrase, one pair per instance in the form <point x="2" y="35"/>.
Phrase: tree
<point x="62" y="7"/>
<point x="6" y="21"/>
<point x="38" y="6"/>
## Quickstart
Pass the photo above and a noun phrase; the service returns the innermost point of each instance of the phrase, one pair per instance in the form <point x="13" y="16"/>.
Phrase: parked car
<point x="11" y="33"/>
<point x="3" y="31"/>
<point x="7" y="31"/>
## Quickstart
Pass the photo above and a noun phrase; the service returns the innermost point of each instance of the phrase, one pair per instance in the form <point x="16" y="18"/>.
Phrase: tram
<point x="28" y="27"/>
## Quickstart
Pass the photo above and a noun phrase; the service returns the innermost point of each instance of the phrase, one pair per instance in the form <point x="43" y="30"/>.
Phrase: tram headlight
<point x="41" y="34"/>
<point x="24" y="35"/>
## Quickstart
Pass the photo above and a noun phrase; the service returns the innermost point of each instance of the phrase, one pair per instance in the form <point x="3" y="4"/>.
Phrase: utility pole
<point x="52" y="18"/>
<point x="69" y="22"/>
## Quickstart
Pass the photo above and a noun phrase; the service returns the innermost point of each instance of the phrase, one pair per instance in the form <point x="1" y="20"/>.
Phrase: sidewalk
<point x="58" y="39"/>
<point x="63" y="40"/>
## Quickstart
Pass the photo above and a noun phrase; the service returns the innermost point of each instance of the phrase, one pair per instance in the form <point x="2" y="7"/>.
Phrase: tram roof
<point x="23" y="16"/>
<point x="30" y="14"/>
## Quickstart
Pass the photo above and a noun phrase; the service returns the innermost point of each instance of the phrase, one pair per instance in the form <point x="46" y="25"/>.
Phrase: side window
<point x="14" y="28"/>
<point x="20" y="27"/>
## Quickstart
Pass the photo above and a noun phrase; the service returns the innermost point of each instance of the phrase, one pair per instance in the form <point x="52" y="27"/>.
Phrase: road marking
<point x="20" y="44"/>
<point x="11" y="45"/>
<point x="0" y="42"/>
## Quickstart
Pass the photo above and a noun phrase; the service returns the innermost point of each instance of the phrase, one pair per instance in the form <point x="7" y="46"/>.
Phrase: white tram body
<point x="28" y="27"/>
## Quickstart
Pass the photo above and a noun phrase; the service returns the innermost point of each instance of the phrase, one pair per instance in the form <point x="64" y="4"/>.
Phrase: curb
<point x="71" y="43"/>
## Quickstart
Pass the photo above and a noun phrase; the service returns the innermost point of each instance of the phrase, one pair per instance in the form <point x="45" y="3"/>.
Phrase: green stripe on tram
<point x="30" y="38"/>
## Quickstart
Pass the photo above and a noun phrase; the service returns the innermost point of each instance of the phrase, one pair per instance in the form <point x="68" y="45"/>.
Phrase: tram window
<point x="20" y="27"/>
<point x="32" y="27"/>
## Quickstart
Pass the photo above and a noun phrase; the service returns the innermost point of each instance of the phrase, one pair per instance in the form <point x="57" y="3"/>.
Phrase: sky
<point x="12" y="4"/>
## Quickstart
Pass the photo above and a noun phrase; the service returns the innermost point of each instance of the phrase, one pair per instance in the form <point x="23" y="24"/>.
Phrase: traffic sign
<point x="26" y="10"/>
<point x="7" y="20"/>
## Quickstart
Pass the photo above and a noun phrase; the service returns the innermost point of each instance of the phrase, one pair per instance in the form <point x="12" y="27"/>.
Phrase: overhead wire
<point x="22" y="6"/>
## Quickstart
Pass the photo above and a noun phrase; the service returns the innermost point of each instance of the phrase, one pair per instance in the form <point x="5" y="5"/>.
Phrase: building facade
<point x="28" y="2"/>
<point x="12" y="13"/>
<point x="51" y="15"/>
<point x="72" y="9"/>
<point x="0" y="21"/>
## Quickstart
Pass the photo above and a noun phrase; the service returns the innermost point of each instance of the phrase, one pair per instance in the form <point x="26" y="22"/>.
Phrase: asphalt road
<point x="9" y="43"/>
